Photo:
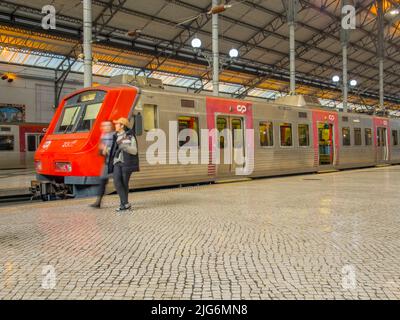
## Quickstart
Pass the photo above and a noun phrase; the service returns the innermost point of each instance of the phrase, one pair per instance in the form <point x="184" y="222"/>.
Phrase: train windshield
<point x="80" y="112"/>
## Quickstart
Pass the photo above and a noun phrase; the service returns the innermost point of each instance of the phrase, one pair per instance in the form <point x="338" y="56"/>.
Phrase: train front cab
<point x="67" y="161"/>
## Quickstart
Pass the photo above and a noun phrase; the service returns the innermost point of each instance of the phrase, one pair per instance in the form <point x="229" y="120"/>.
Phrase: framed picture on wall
<point x="12" y="113"/>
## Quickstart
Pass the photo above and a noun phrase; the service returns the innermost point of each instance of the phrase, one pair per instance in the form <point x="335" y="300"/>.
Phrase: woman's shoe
<point x="124" y="207"/>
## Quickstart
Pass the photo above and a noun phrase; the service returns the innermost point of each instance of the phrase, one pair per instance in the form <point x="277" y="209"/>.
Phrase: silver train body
<point x="316" y="139"/>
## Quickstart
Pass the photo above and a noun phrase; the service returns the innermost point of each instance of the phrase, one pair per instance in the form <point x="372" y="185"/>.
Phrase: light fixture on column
<point x="233" y="53"/>
<point x="394" y="12"/>
<point x="220" y="8"/>
<point x="196" y="43"/>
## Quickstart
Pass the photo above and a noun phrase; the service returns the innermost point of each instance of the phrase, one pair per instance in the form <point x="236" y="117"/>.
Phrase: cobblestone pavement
<point x="326" y="236"/>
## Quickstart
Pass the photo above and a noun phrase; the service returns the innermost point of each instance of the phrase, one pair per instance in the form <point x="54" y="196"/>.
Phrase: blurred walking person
<point x="125" y="158"/>
<point x="105" y="145"/>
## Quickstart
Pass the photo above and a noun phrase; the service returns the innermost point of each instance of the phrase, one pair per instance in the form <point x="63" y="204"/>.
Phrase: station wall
<point x="34" y="88"/>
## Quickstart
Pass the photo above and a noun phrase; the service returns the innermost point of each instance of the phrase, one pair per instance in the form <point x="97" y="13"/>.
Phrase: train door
<point x="231" y="144"/>
<point x="325" y="134"/>
<point x="382" y="140"/>
<point x="9" y="152"/>
<point x="325" y="144"/>
<point x="382" y="145"/>
<point x="32" y="141"/>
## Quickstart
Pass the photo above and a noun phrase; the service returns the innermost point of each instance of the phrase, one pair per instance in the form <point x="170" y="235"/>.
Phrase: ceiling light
<point x="196" y="43"/>
<point x="353" y="82"/>
<point x="233" y="53"/>
<point x="335" y="78"/>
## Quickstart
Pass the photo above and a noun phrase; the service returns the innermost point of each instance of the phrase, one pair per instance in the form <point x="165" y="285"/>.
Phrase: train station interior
<point x="199" y="150"/>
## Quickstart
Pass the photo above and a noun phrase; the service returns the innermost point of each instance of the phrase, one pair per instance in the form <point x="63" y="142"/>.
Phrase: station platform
<point x="316" y="236"/>
<point x="15" y="182"/>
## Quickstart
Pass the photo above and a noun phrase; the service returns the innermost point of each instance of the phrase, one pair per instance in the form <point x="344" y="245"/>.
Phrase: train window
<point x="31" y="139"/>
<point x="222" y="124"/>
<point x="69" y="118"/>
<point x="302" y="114"/>
<point x="346" y="136"/>
<point x="286" y="134"/>
<point x="188" y="122"/>
<point x="345" y="119"/>
<point x="266" y="134"/>
<point x="357" y="137"/>
<point x="395" y="137"/>
<point x="304" y="135"/>
<point x="368" y="136"/>
<point x="149" y="117"/>
<point x="5" y="129"/>
<point x="89" y="117"/>
<point x="6" y="143"/>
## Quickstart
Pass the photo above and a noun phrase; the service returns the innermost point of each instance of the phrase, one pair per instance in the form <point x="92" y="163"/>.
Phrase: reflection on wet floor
<point x="15" y="182"/>
<point x="335" y="237"/>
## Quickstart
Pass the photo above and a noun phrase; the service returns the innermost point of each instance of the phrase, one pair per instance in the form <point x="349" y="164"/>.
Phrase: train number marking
<point x="69" y="144"/>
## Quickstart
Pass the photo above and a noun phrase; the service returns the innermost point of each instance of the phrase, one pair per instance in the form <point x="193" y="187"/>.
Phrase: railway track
<point x="15" y="199"/>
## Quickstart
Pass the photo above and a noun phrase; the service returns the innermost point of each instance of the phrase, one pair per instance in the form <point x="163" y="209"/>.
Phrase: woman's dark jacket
<point x="130" y="161"/>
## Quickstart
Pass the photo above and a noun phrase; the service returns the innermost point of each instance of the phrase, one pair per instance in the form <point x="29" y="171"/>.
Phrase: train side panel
<point x="167" y="107"/>
<point x="275" y="158"/>
<point x="355" y="149"/>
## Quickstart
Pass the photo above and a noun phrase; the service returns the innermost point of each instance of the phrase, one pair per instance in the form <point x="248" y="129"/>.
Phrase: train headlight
<point x="63" y="166"/>
<point x="38" y="165"/>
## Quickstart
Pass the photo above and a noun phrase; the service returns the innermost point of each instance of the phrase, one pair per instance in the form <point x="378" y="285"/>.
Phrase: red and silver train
<point x="18" y="143"/>
<point x="291" y="135"/>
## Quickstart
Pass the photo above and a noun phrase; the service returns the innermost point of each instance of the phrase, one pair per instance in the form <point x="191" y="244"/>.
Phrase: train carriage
<point x="291" y="135"/>
<point x="18" y="143"/>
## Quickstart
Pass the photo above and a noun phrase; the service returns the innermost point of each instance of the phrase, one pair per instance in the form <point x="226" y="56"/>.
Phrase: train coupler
<point x="47" y="190"/>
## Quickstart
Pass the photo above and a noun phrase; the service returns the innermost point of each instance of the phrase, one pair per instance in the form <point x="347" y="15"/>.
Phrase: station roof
<point x="144" y="36"/>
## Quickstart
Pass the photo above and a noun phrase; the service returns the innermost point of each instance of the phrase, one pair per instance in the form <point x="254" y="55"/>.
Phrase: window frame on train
<point x="155" y="122"/>
<point x="357" y="134"/>
<point x="348" y="142"/>
<point x="197" y="130"/>
<point x="307" y="135"/>
<point x="271" y="131"/>
<point x="13" y="142"/>
<point x="282" y="124"/>
<point x="81" y="106"/>
<point x="395" y="137"/>
<point x="368" y="136"/>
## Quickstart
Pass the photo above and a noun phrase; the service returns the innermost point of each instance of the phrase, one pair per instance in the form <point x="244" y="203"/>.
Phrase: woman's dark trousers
<point x="121" y="177"/>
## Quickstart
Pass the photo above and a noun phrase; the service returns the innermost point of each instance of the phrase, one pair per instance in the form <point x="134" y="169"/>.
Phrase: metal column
<point x="344" y="38"/>
<point x="87" y="42"/>
<point x="215" y="50"/>
<point x="381" y="51"/>
<point x="291" y="14"/>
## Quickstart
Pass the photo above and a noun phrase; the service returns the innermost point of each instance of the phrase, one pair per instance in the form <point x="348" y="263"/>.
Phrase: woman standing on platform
<point x="124" y="153"/>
